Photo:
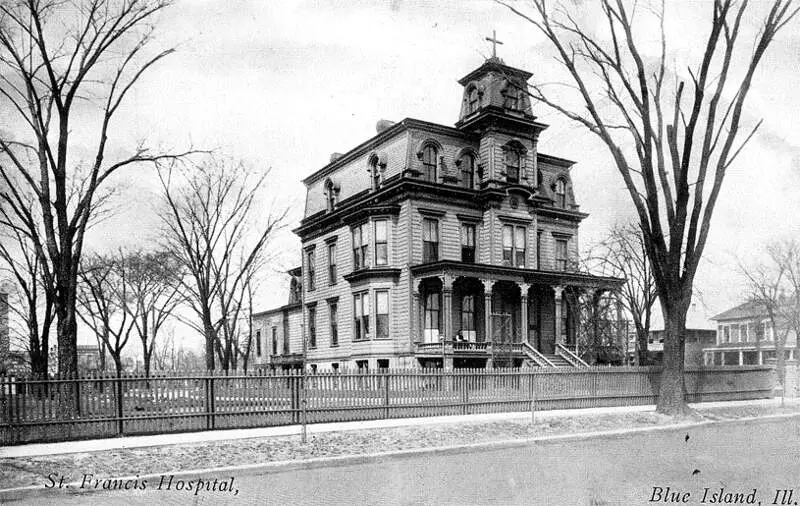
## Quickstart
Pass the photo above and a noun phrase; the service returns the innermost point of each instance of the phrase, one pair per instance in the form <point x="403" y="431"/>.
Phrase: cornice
<point x="533" y="276"/>
<point x="372" y="273"/>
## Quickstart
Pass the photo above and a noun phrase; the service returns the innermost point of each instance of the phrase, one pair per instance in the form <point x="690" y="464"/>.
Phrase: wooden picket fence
<point x="105" y="406"/>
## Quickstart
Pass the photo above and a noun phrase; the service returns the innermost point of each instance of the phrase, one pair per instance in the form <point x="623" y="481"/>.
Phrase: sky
<point x="283" y="85"/>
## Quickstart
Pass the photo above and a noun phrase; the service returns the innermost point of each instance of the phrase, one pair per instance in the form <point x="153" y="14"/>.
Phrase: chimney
<point x="383" y="125"/>
<point x="335" y="156"/>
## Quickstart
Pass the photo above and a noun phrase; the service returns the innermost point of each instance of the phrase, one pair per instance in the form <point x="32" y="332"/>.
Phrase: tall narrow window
<point x="430" y="240"/>
<point x="334" y="315"/>
<point x="274" y="340"/>
<point x="468" y="171"/>
<point x="432" y="316"/>
<point x="468" y="243"/>
<point x="332" y="263"/>
<point x="511" y="97"/>
<point x="514" y="245"/>
<point x="381" y="242"/>
<point x="429" y="163"/>
<point x="561" y="254"/>
<point x="361" y="315"/>
<point x="330" y="194"/>
<point x="468" y="317"/>
<point x="311" y="269"/>
<point x="360" y="246"/>
<point x="258" y="343"/>
<point x="513" y="163"/>
<point x="312" y="326"/>
<point x="472" y="100"/>
<point x="538" y="249"/>
<point x="520" y="246"/>
<point x="561" y="193"/>
<point x="285" y="333"/>
<point x="375" y="172"/>
<point x="381" y="314"/>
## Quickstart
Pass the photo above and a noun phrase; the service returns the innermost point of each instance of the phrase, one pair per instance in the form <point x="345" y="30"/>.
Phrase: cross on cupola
<point x="494" y="40"/>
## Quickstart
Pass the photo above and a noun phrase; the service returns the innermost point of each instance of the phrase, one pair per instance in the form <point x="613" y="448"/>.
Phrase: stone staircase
<point x="557" y="360"/>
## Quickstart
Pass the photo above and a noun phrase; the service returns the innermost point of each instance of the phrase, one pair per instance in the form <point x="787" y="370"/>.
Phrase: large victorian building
<point x="431" y="245"/>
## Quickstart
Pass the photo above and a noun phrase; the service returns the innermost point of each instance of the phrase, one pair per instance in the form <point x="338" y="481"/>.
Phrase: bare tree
<point x="622" y="253"/>
<point x="767" y="284"/>
<point x="32" y="299"/>
<point x="102" y="298"/>
<point x="58" y="59"/>
<point x="684" y="137"/>
<point x="210" y="226"/>
<point x="153" y="279"/>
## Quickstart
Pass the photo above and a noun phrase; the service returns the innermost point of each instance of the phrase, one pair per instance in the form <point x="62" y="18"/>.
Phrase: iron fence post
<point x="120" y="423"/>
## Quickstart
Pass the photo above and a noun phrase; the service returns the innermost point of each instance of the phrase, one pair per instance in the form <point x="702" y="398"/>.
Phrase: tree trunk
<point x="67" y="336"/>
<point x="210" y="337"/>
<point x="641" y="346"/>
<point x="672" y="391"/>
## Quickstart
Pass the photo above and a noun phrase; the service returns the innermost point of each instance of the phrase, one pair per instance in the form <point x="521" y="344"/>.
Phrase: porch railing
<point x="536" y="356"/>
<point x="566" y="354"/>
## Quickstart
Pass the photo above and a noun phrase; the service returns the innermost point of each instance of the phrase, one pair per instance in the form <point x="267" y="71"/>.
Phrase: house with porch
<point x="745" y="336"/>
<point x="436" y="246"/>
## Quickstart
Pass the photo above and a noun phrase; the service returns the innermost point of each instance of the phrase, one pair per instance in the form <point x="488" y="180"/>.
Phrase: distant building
<point x="277" y="333"/>
<point x="745" y="337"/>
<point x="700" y="334"/>
<point x="88" y="358"/>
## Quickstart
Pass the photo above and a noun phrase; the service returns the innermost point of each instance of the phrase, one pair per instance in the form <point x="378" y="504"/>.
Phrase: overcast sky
<point x="285" y="84"/>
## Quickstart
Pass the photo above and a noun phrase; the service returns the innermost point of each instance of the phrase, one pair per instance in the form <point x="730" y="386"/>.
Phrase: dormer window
<point x="467" y="167"/>
<point x="513" y="164"/>
<point x="511" y="97"/>
<point x="429" y="163"/>
<point x="375" y="172"/>
<point x="331" y="195"/>
<point x="561" y="193"/>
<point x="473" y="100"/>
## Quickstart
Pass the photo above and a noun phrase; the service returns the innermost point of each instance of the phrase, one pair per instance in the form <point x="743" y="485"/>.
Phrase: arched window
<point x="429" y="165"/>
<point x="473" y="100"/>
<point x="511" y="97"/>
<point x="467" y="166"/>
<point x="513" y="165"/>
<point x="539" y="178"/>
<point x="561" y="193"/>
<point x="375" y="172"/>
<point x="330" y="195"/>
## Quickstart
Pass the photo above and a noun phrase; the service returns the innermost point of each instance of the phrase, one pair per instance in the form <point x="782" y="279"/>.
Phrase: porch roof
<point x="501" y="273"/>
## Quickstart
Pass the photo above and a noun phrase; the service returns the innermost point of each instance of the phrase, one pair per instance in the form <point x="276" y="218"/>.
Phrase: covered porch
<point x="472" y="315"/>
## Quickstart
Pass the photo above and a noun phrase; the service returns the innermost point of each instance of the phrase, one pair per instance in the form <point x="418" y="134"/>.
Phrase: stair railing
<point x="536" y="356"/>
<point x="573" y="359"/>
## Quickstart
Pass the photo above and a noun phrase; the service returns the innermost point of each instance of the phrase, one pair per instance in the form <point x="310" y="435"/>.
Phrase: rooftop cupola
<point x="495" y="90"/>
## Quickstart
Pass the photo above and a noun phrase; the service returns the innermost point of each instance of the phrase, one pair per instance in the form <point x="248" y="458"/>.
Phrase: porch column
<point x="558" y="290"/>
<point x="524" y="288"/>
<point x="488" y="284"/>
<point x="447" y="295"/>
<point x="760" y="358"/>
<point x="741" y="357"/>
<point x="417" y="313"/>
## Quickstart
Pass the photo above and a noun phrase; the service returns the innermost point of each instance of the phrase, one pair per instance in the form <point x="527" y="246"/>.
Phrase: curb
<point x="18" y="493"/>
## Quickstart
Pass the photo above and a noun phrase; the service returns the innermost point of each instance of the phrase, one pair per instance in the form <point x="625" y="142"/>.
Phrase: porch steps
<point x="557" y="360"/>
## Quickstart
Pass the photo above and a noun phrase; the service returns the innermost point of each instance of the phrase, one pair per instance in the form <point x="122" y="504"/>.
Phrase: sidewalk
<point x="130" y="442"/>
